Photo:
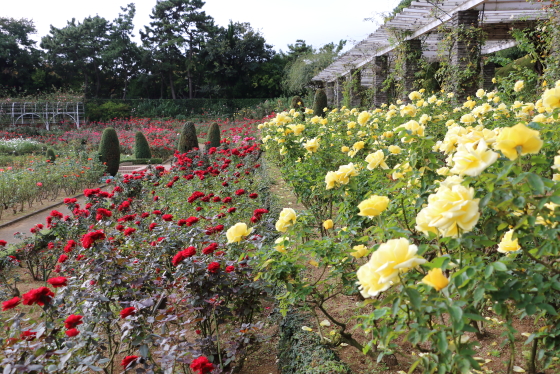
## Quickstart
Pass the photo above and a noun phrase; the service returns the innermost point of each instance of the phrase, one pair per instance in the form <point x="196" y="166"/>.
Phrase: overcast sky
<point x="281" y="22"/>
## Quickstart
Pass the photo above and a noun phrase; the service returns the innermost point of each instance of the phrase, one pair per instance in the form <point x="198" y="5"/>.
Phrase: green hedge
<point x="105" y="109"/>
<point x="301" y="351"/>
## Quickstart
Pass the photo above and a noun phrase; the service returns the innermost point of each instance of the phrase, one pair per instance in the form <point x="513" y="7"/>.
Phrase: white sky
<point x="281" y="22"/>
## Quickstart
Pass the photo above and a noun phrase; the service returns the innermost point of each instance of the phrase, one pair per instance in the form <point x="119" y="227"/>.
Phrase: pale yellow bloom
<point x="394" y="149"/>
<point x="351" y="125"/>
<point x="414" y="95"/>
<point x="408" y="110"/>
<point x="436" y="279"/>
<point x="473" y="158"/>
<point x="451" y="210"/>
<point x="467" y="118"/>
<point x="344" y="149"/>
<point x="551" y="98"/>
<point x="383" y="268"/>
<point x="507" y="244"/>
<point x="328" y="224"/>
<point x="237" y="232"/>
<point x="359" y="251"/>
<point x="373" y="206"/>
<point x="311" y="145"/>
<point x="364" y="117"/>
<point x="518" y="86"/>
<point x="287" y="218"/>
<point x="297" y="129"/>
<point x="281" y="244"/>
<point x="480" y="93"/>
<point x="518" y="138"/>
<point x="376" y="159"/>
<point x="358" y="145"/>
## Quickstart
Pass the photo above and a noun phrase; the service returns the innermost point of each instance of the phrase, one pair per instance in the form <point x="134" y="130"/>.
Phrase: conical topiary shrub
<point x="188" y="140"/>
<point x="297" y="102"/>
<point x="141" y="146"/>
<point x="109" y="150"/>
<point x="213" y="139"/>
<point x="320" y="102"/>
<point x="50" y="155"/>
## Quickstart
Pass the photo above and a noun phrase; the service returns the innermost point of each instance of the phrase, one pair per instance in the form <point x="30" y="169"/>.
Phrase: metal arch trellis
<point x="41" y="112"/>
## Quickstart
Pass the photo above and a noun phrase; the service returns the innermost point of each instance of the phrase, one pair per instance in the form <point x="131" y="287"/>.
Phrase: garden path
<point x="24" y="225"/>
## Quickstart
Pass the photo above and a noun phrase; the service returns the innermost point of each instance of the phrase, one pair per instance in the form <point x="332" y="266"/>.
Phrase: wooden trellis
<point x="47" y="113"/>
<point x="423" y="17"/>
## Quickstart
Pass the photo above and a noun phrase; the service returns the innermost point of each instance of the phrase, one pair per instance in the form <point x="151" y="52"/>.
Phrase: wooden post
<point x="466" y="54"/>
<point x="380" y="75"/>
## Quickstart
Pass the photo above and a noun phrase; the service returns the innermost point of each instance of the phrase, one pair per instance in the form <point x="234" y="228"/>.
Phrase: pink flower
<point x="39" y="184"/>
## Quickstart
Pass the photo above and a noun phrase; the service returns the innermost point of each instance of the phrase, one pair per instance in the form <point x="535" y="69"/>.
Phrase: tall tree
<point x="122" y="55"/>
<point x="76" y="50"/>
<point x="307" y="62"/>
<point x="18" y="56"/>
<point x="233" y="56"/>
<point x="174" y="37"/>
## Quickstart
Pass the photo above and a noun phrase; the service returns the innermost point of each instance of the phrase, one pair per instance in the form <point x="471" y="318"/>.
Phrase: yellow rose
<point x="364" y="117"/>
<point x="311" y="145"/>
<point x="359" y="251"/>
<point x="473" y="158"/>
<point x="480" y="93"/>
<point x="315" y="120"/>
<point x="344" y="149"/>
<point x="436" y="279"/>
<point x="344" y="173"/>
<point x="414" y="95"/>
<point x="450" y="210"/>
<point x="237" y="232"/>
<point x="281" y="244"/>
<point x="286" y="219"/>
<point x="297" y="129"/>
<point x="551" y="98"/>
<point x="330" y="179"/>
<point x="507" y="244"/>
<point x="351" y="125"/>
<point x="328" y="224"/>
<point x="510" y="138"/>
<point x="376" y="159"/>
<point x="358" y="145"/>
<point x="383" y="268"/>
<point x="394" y="149"/>
<point x="518" y="86"/>
<point x="408" y="110"/>
<point x="373" y="206"/>
<point x="467" y="118"/>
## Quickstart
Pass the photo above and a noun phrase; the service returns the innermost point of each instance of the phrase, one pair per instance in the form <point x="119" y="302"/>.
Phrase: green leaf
<point x="488" y="271"/>
<point x="456" y="314"/>
<point x="414" y="296"/>
<point x="439" y="262"/>
<point x="536" y="183"/>
<point x="499" y="266"/>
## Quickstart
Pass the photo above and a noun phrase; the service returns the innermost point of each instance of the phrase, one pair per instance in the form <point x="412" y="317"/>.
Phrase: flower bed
<point x="442" y="215"/>
<point x="156" y="274"/>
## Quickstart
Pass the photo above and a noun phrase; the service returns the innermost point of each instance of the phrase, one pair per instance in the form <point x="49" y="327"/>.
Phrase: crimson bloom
<point x="10" y="304"/>
<point x="213" y="267"/>
<point x="72" y="332"/>
<point x="62" y="259"/>
<point x="90" y="238"/>
<point x="28" y="335"/>
<point x="69" y="246"/>
<point x="167" y="217"/>
<point x="39" y="296"/>
<point x="72" y="321"/>
<point x="128" y="360"/>
<point x="201" y="365"/>
<point x="230" y="268"/>
<point x="3" y="243"/>
<point x="130" y="311"/>
<point x="58" y="282"/>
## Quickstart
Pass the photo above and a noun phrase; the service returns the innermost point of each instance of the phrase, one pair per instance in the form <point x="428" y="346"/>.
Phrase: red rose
<point x="10" y="304"/>
<point x="28" y="335"/>
<point x="62" y="259"/>
<point x="72" y="332"/>
<point x="72" y="321"/>
<point x="229" y="269"/>
<point x="58" y="282"/>
<point x="253" y="195"/>
<point x="130" y="311"/>
<point x="240" y="192"/>
<point x="69" y="246"/>
<point x="152" y="226"/>
<point x="210" y="249"/>
<point x="232" y="209"/>
<point x="3" y="243"/>
<point x="90" y="238"/>
<point x="129" y="231"/>
<point x="201" y="365"/>
<point x="128" y="360"/>
<point x="192" y="220"/>
<point x="39" y="296"/>
<point x="213" y="267"/>
<point x="167" y="217"/>
<point x="226" y="200"/>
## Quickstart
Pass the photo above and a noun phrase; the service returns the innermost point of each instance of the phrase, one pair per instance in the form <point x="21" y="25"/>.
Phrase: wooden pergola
<point x="421" y="21"/>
